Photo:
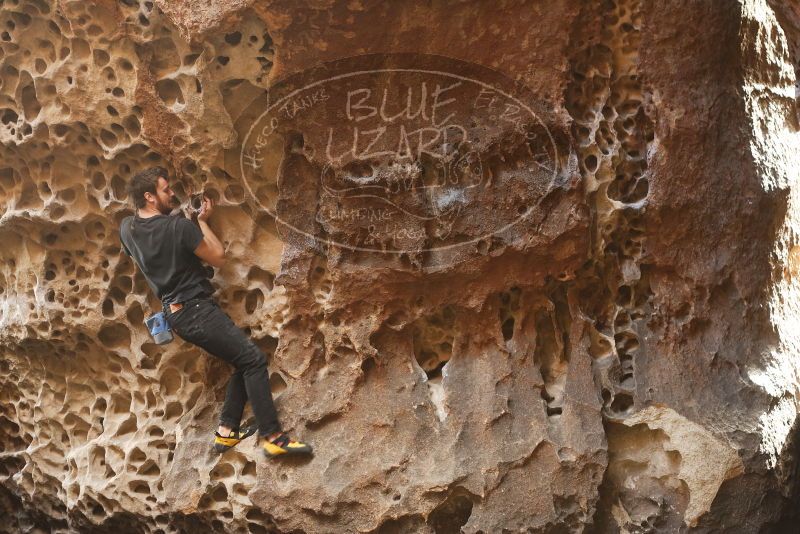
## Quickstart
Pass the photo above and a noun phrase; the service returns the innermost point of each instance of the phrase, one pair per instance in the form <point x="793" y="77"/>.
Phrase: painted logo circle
<point x="397" y="154"/>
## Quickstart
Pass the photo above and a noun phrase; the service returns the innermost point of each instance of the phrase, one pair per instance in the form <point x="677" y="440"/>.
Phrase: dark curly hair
<point x="145" y="182"/>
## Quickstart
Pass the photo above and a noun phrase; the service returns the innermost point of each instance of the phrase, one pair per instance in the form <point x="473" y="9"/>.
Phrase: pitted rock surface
<point x="626" y="359"/>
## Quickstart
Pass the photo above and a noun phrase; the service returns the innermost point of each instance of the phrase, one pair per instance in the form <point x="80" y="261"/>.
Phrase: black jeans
<point x="202" y="323"/>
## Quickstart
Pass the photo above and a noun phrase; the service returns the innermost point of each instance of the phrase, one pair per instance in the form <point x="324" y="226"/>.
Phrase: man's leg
<point x="207" y="326"/>
<point x="251" y="365"/>
<point x="233" y="407"/>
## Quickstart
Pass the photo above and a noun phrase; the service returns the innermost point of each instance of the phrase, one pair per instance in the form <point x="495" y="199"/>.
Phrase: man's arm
<point x="210" y="248"/>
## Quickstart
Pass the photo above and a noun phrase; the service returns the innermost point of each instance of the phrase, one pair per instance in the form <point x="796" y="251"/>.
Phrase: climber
<point x="168" y="250"/>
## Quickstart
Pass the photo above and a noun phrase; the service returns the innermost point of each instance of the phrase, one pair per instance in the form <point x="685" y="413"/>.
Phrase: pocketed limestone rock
<point x="579" y="314"/>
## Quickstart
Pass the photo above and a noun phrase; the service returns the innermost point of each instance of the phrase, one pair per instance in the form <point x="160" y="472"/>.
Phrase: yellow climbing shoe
<point x="225" y="443"/>
<point x="283" y="444"/>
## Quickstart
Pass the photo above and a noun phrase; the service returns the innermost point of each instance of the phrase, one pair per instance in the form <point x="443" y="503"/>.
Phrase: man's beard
<point x="164" y="208"/>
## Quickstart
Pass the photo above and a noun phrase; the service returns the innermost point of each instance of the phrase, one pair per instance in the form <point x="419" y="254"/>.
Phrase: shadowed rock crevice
<point x="452" y="514"/>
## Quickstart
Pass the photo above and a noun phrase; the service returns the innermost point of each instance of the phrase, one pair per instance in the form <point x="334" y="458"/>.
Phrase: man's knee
<point x="252" y="358"/>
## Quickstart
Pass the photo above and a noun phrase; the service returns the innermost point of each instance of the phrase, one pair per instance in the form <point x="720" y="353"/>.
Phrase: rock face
<point x="573" y="306"/>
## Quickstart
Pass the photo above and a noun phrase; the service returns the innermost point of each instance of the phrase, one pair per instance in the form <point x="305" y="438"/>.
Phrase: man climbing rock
<point x="168" y="250"/>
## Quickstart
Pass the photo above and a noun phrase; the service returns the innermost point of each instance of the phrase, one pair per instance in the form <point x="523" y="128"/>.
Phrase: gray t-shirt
<point x="163" y="248"/>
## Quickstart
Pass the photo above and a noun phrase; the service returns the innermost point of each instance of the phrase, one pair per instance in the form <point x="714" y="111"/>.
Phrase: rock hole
<point x="508" y="328"/>
<point x="115" y="335"/>
<point x="249" y="470"/>
<point x="173" y="411"/>
<point x="367" y="365"/>
<point x="277" y="384"/>
<point x="452" y="514"/>
<point x="622" y="404"/>
<point x="220" y="494"/>
<point x="9" y="116"/>
<point x="108" y="138"/>
<point x="169" y="91"/>
<point x="253" y="301"/>
<point x="149" y="469"/>
<point x="139" y="486"/>
<point x="101" y="57"/>
<point x="30" y="104"/>
<point x="234" y="38"/>
<point x="223" y="470"/>
<point x="553" y="411"/>
<point x="170" y="382"/>
<point x="127" y="427"/>
<point x="99" y="406"/>
<point x="135" y="314"/>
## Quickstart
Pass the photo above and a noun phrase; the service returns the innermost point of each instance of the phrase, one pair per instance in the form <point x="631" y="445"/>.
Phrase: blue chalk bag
<point x="159" y="328"/>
